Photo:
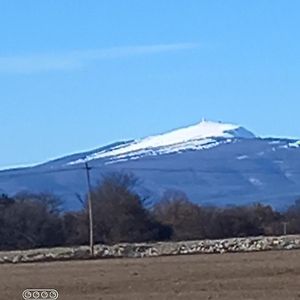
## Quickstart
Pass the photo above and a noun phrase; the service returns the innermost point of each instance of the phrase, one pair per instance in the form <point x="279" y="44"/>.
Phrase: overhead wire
<point x="23" y="172"/>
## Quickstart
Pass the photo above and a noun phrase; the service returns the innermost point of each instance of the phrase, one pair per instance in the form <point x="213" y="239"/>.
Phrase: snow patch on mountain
<point x="203" y="135"/>
<point x="242" y="157"/>
<point x="255" y="181"/>
<point x="294" y="144"/>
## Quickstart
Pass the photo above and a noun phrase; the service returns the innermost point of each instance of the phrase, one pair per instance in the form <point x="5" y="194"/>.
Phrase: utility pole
<point x="285" y="228"/>
<point x="90" y="208"/>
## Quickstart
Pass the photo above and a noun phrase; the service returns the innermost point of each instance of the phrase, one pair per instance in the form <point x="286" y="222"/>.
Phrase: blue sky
<point x="75" y="75"/>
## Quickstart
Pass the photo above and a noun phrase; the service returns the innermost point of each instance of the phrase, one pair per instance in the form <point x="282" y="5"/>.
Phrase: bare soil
<point x="262" y="275"/>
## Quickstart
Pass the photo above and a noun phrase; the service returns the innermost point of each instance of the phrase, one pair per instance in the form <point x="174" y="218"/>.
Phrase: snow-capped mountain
<point x="212" y="162"/>
<point x="203" y="135"/>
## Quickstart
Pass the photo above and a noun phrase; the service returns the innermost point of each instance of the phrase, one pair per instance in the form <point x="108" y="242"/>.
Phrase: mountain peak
<point x="207" y="129"/>
<point x="204" y="129"/>
<point x="202" y="135"/>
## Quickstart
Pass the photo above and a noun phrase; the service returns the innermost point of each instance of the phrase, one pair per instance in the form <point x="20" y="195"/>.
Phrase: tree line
<point x="120" y="215"/>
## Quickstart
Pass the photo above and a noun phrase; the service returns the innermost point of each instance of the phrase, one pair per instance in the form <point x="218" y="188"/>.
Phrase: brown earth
<point x="271" y="275"/>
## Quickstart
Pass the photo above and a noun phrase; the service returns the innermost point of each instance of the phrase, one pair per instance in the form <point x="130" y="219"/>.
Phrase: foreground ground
<point x="264" y="275"/>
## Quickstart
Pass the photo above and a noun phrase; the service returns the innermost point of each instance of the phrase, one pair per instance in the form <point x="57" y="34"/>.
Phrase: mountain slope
<point x="196" y="137"/>
<point x="213" y="163"/>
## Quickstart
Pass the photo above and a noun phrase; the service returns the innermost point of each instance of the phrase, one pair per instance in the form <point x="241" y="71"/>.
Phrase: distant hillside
<point x="213" y="163"/>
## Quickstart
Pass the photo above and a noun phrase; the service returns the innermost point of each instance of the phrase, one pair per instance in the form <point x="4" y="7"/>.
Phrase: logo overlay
<point x="40" y="294"/>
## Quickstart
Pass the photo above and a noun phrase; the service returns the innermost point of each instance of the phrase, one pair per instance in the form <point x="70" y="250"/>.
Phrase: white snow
<point x="255" y="181"/>
<point x="291" y="145"/>
<point x="274" y="142"/>
<point x="195" y="137"/>
<point x="295" y="144"/>
<point x="242" y="157"/>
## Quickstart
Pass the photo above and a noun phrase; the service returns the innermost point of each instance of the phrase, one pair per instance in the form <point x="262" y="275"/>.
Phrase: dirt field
<point x="268" y="275"/>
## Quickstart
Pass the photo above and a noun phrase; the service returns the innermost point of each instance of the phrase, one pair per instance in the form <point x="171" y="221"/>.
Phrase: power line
<point x="87" y="168"/>
<point x="32" y="173"/>
<point x="187" y="170"/>
<point x="162" y="170"/>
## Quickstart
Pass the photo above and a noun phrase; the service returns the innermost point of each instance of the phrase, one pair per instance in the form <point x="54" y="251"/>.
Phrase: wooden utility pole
<point x="90" y="208"/>
<point x="285" y="228"/>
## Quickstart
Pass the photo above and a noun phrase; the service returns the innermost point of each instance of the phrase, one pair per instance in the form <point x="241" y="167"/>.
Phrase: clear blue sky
<point x="76" y="74"/>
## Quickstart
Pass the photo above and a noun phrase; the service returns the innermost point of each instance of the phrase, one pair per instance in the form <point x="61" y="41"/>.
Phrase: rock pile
<point x="249" y="244"/>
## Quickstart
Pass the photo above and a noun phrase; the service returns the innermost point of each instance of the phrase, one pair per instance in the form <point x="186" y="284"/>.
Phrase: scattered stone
<point x="141" y="250"/>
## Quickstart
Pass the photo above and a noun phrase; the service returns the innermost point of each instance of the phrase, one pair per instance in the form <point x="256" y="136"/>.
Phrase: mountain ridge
<point x="191" y="137"/>
<point x="214" y="163"/>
